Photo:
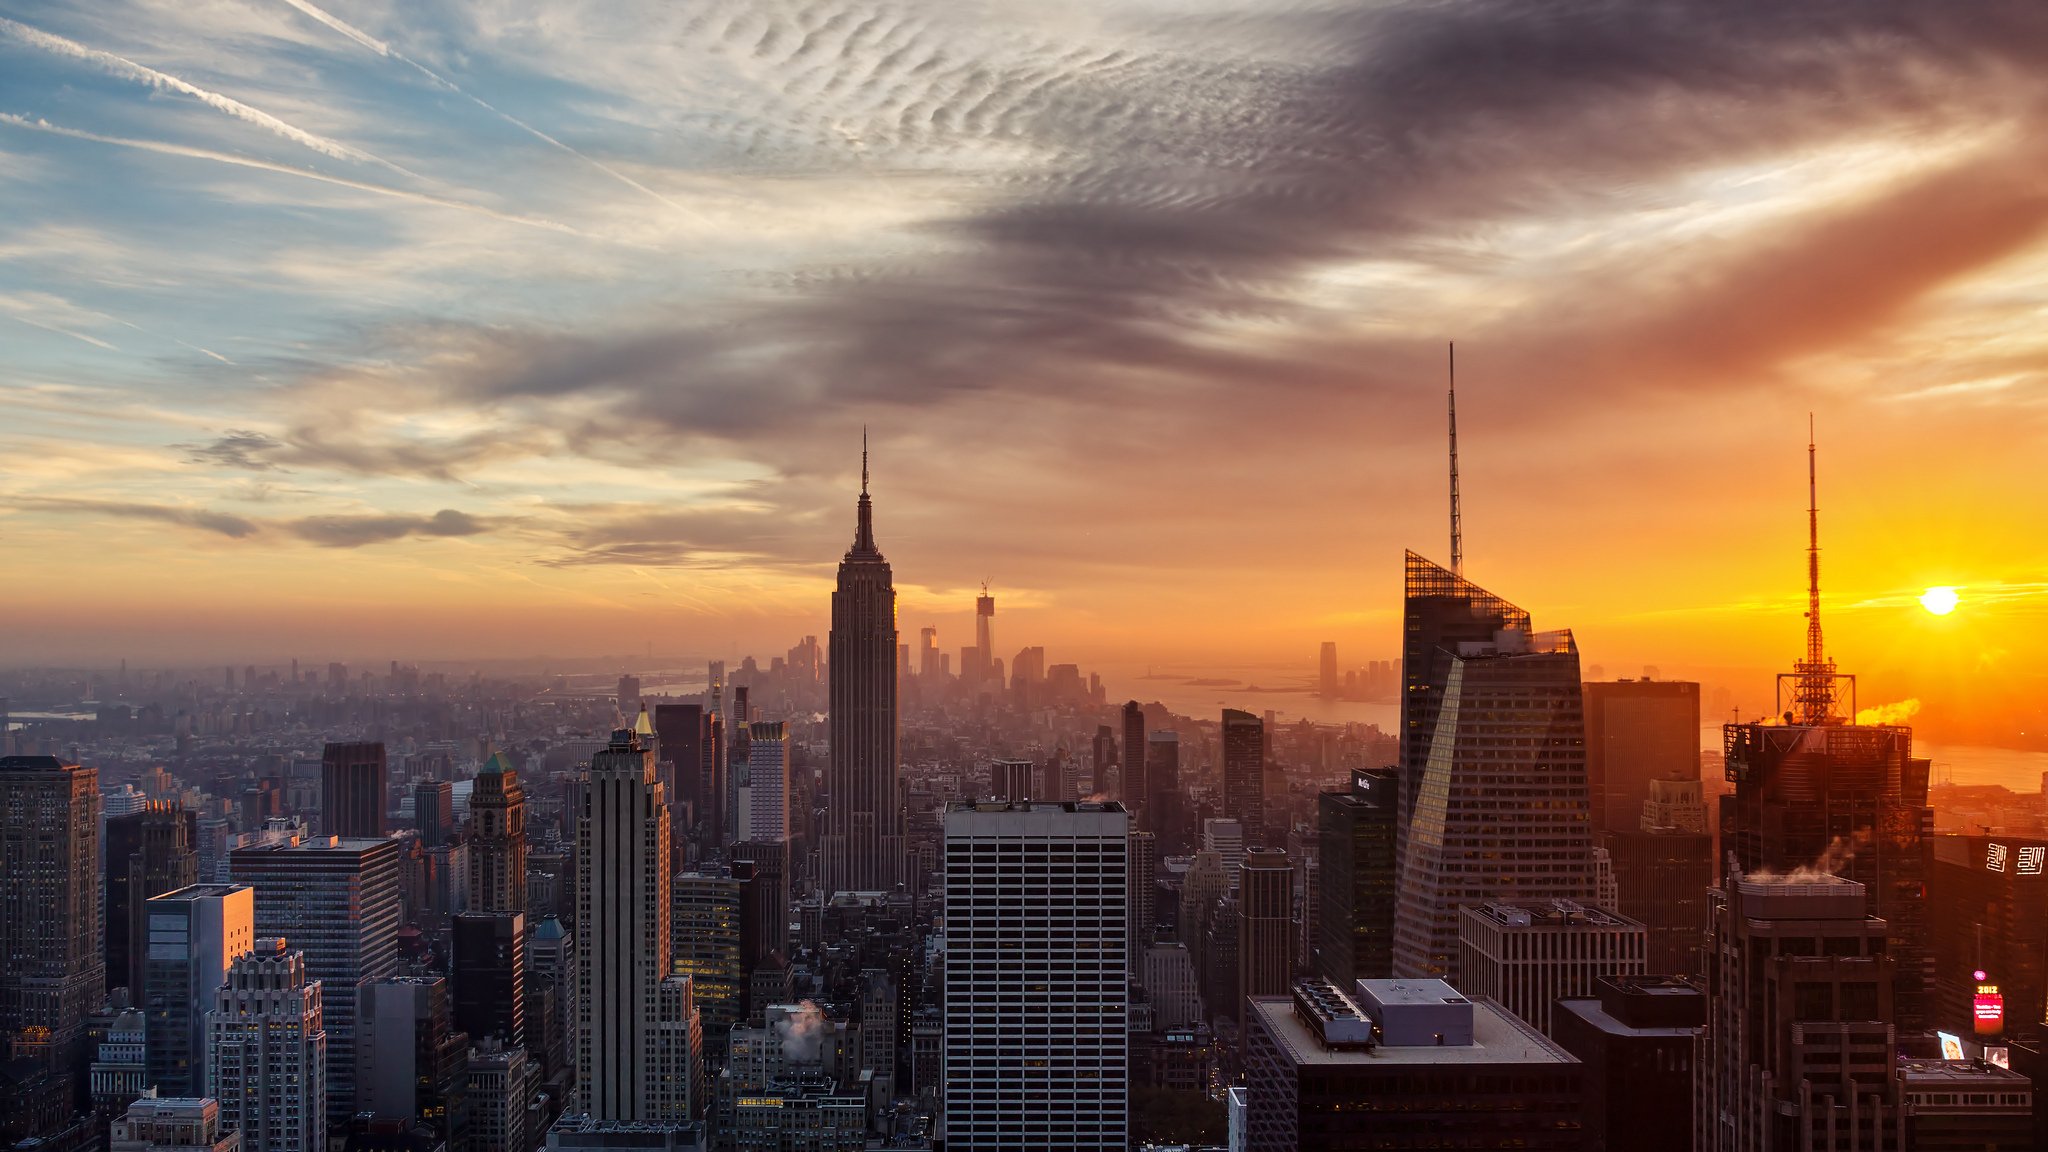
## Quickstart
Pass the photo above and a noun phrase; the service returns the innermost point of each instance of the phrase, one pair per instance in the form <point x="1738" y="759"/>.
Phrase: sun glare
<point x="1939" y="600"/>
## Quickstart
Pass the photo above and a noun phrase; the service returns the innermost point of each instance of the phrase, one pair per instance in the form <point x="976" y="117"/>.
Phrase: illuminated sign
<point x="1994" y="858"/>
<point x="1988" y="1007"/>
<point x="2021" y="859"/>
<point x="1951" y="1046"/>
<point x="2000" y="1056"/>
<point x="2031" y="859"/>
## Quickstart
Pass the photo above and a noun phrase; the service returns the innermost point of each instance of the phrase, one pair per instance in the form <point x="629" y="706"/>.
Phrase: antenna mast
<point x="1457" y="523"/>
<point x="1816" y="685"/>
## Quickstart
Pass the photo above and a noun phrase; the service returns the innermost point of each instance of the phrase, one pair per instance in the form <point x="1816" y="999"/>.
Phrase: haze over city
<point x="448" y="332"/>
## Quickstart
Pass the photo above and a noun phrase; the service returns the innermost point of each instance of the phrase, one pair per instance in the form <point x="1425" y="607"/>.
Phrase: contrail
<point x="122" y="66"/>
<point x="92" y="340"/>
<point x="382" y="49"/>
<point x="40" y="125"/>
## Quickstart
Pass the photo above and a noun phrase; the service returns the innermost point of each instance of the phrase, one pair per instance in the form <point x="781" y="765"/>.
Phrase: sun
<point x="1940" y="600"/>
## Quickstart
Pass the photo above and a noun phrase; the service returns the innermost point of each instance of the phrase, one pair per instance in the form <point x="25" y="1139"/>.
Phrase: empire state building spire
<point x="862" y="849"/>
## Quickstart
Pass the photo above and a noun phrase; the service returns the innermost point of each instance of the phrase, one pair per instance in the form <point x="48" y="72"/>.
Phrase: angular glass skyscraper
<point x="863" y="844"/>
<point x="1493" y="765"/>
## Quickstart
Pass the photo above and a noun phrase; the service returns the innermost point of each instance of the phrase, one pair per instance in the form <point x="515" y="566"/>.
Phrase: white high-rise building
<point x="1224" y="836"/>
<point x="638" y="1046"/>
<point x="764" y="795"/>
<point x="267" y="1058"/>
<point x="1037" y="945"/>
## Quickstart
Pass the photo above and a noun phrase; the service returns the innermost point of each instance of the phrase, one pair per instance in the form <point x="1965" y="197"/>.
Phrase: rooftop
<point x="1548" y="914"/>
<point x="1974" y="1075"/>
<point x="1497" y="1038"/>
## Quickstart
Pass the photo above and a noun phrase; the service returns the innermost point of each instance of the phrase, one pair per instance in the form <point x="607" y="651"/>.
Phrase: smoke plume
<point x="1898" y="713"/>
<point x="803" y="1033"/>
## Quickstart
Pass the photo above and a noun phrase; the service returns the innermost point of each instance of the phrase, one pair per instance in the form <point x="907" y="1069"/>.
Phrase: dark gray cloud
<point x="356" y="531"/>
<point x="1188" y="191"/>
<point x="238" y="448"/>
<point x="205" y="520"/>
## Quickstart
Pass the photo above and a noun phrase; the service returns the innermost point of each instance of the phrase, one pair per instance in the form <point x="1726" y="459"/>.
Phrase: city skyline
<point x="430" y="411"/>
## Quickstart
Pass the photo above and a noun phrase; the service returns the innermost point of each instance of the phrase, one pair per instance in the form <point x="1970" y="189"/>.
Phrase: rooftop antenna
<point x="1816" y="685"/>
<point x="863" y="459"/>
<point x="1457" y="522"/>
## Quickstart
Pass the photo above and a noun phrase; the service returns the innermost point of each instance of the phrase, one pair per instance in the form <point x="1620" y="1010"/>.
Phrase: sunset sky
<point x="429" y="330"/>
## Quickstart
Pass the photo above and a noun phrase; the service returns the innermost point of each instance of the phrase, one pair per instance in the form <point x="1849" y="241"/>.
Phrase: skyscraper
<point x="337" y="901"/>
<point x="1244" y="773"/>
<point x="192" y="936"/>
<point x="1328" y="680"/>
<point x="1164" y="806"/>
<point x="497" y="839"/>
<point x="1527" y="956"/>
<point x="410" y="1056"/>
<point x="984" y="635"/>
<point x="433" y="811"/>
<point x="352" y="790"/>
<point x="1134" y="794"/>
<point x="683" y="735"/>
<point x="1143" y="862"/>
<point x="267" y="1052"/>
<point x="765" y="810"/>
<point x="630" y="1010"/>
<point x="52" y="972"/>
<point x="705" y="925"/>
<point x="1036" y="965"/>
<point x="1265" y="947"/>
<point x="863" y="848"/>
<point x="1821" y="791"/>
<point x="1501" y="809"/>
<point x="1637" y="731"/>
<point x="1355" y="925"/>
<point x="488" y="962"/>
<point x="1102" y="757"/>
<point x="148" y="853"/>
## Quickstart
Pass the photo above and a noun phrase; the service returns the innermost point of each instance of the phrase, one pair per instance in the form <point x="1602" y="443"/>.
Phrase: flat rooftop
<point x="1596" y="1014"/>
<point x="1969" y="1075"/>
<point x="1497" y="1038"/>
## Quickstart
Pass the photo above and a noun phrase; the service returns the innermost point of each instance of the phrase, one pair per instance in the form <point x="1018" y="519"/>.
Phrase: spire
<point x="1457" y="523"/>
<point x="1814" y="680"/>
<point x="864" y="529"/>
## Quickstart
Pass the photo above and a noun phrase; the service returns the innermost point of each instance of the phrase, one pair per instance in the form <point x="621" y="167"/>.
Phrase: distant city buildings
<point x="352" y="800"/>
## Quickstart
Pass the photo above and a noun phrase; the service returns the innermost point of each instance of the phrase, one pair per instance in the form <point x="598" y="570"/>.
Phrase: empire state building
<point x="863" y="845"/>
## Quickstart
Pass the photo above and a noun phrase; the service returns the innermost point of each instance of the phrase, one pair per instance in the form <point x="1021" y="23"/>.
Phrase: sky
<point x="426" y="330"/>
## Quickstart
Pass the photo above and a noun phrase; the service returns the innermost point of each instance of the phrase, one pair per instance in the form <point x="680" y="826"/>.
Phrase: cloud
<point x="239" y="448"/>
<point x="356" y="531"/>
<point x="218" y="523"/>
<point x="129" y="69"/>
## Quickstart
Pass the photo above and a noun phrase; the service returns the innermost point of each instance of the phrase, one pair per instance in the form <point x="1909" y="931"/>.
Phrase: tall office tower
<point x="1244" y="774"/>
<point x="148" y="853"/>
<point x="984" y="635"/>
<point x="1037" y="958"/>
<point x="409" y="1055"/>
<point x="1635" y="1035"/>
<point x="1226" y="839"/>
<point x="1440" y="610"/>
<point x="52" y="973"/>
<point x="928" y="654"/>
<point x="1527" y="956"/>
<point x="267" y="1052"/>
<point x="186" y="1124"/>
<point x="497" y="838"/>
<point x="1142" y="897"/>
<point x="629" y="1008"/>
<point x="1662" y="872"/>
<point x="1799" y="1042"/>
<point x="1502" y="810"/>
<point x="1010" y="780"/>
<point x="1988" y="904"/>
<point x="1133" y="792"/>
<point x="192" y="935"/>
<point x="1165" y="808"/>
<point x="551" y="979"/>
<point x="337" y="901"/>
<point x="765" y="814"/>
<point x="1102" y="757"/>
<point x="1265" y="934"/>
<point x="1355" y="922"/>
<point x="352" y="790"/>
<point x="863" y="848"/>
<point x="762" y="868"/>
<point x="488" y="962"/>
<point x="682" y="731"/>
<point x="1403" y="1064"/>
<point x="1329" y="681"/>
<point x="1819" y="790"/>
<point x="704" y="924"/>
<point x="1637" y="731"/>
<point x="433" y="811"/>
<point x="629" y="695"/>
